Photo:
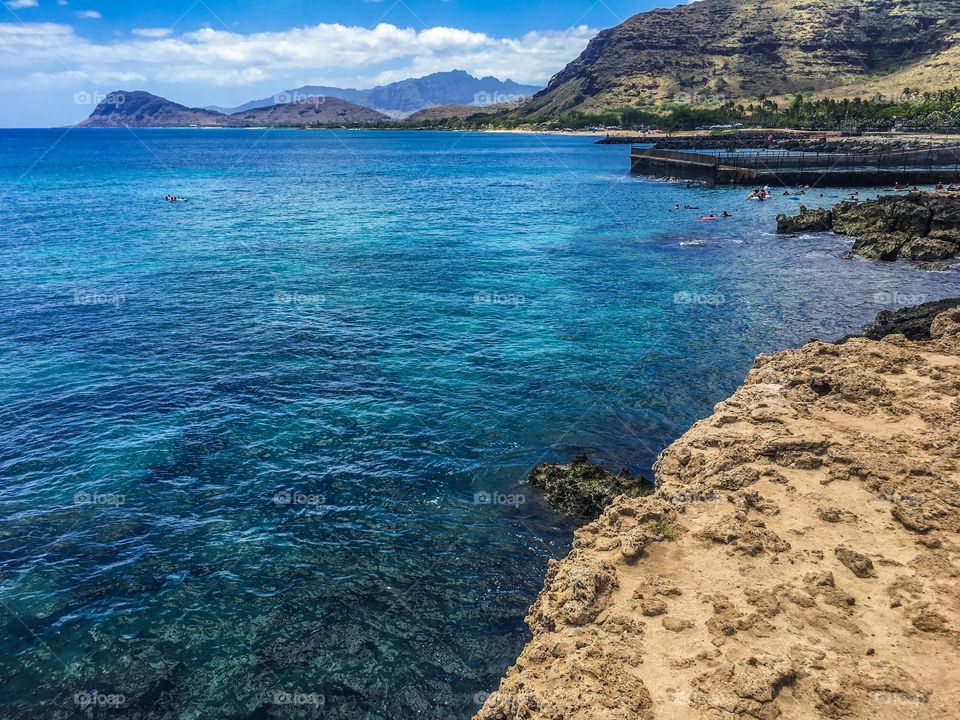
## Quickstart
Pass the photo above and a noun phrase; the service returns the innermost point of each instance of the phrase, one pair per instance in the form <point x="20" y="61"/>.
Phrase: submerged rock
<point x="581" y="489"/>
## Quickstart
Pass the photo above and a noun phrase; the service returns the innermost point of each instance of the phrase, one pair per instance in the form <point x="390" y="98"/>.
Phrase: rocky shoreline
<point x="922" y="227"/>
<point x="798" y="558"/>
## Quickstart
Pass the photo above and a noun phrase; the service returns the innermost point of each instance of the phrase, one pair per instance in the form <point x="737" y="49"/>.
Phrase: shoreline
<point x="652" y="136"/>
<point x="798" y="558"/>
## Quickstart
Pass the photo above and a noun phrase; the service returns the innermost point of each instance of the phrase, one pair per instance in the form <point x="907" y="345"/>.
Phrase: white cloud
<point x="327" y="53"/>
<point x="21" y="4"/>
<point x="152" y="32"/>
<point x="89" y="15"/>
<point x="72" y="78"/>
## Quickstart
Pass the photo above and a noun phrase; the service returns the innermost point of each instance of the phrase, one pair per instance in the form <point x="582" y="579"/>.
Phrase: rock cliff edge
<point x="798" y="559"/>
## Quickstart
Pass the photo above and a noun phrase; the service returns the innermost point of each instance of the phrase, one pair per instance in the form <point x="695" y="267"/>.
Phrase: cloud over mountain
<point x="57" y="55"/>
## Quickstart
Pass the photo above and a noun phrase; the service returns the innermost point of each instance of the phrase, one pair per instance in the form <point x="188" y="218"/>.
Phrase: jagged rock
<point x="818" y="220"/>
<point x="884" y="215"/>
<point x="581" y="489"/>
<point x="573" y="595"/>
<point x="946" y="323"/>
<point x="920" y="226"/>
<point x="951" y="235"/>
<point x="911" y="518"/>
<point x="945" y="210"/>
<point x="857" y="563"/>
<point x="745" y="688"/>
<point x="880" y="245"/>
<point x="926" y="249"/>
<point x="651" y="607"/>
<point x="915" y="323"/>
<point x="931" y="266"/>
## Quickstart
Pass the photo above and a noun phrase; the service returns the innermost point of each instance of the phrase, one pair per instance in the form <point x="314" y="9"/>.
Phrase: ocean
<point x="263" y="452"/>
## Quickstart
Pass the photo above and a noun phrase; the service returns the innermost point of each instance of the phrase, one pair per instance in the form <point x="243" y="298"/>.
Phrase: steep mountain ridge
<point x="402" y="98"/>
<point x="740" y="48"/>
<point x="136" y="108"/>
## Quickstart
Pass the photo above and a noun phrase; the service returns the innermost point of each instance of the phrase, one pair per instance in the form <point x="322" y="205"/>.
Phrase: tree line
<point x="911" y="110"/>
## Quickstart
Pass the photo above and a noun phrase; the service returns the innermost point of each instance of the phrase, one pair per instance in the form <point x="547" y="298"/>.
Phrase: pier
<point x="790" y="168"/>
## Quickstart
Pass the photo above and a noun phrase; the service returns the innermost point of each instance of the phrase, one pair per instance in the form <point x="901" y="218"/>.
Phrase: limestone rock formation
<point x="799" y="558"/>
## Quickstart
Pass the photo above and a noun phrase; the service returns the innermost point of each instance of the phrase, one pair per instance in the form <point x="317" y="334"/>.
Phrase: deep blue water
<point x="241" y="437"/>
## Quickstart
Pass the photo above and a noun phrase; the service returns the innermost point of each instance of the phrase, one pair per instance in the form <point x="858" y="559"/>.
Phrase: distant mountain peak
<point x="138" y="108"/>
<point x="404" y="97"/>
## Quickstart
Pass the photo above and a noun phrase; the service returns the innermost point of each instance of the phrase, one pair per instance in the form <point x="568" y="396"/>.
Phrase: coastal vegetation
<point x="911" y="110"/>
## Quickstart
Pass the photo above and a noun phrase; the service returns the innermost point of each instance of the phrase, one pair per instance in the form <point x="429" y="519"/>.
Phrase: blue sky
<point x="59" y="56"/>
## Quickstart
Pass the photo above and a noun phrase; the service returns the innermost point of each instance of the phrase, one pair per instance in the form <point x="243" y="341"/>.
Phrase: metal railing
<point x="929" y="159"/>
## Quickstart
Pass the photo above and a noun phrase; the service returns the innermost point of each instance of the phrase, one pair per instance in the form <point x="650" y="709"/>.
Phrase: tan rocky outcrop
<point x="798" y="559"/>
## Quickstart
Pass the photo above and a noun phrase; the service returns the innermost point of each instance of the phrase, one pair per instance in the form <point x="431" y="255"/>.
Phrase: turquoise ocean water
<point x="262" y="452"/>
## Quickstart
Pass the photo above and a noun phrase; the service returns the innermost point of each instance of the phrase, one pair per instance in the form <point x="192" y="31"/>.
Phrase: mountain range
<point x="141" y="109"/>
<point x="405" y="97"/>
<point x="720" y="49"/>
<point x="700" y="52"/>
